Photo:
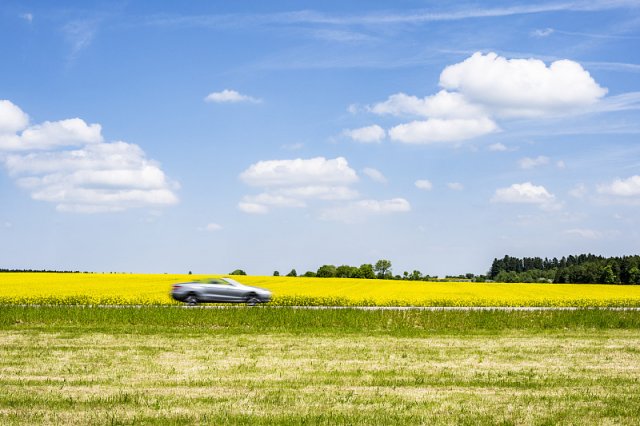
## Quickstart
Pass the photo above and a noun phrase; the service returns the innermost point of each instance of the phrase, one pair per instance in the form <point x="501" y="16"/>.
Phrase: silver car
<point x="219" y="290"/>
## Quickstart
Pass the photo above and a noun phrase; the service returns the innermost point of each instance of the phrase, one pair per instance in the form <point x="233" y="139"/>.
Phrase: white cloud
<point x="358" y="210"/>
<point x="484" y="88"/>
<point x="561" y="164"/>
<point x="423" y="184"/>
<point x="369" y="134"/>
<point x="540" y="33"/>
<point x="497" y="147"/>
<point x="522" y="87"/>
<point x="80" y="35"/>
<point x="526" y="193"/>
<point x="276" y="200"/>
<point x="299" y="172"/>
<point x="253" y="208"/>
<point x="319" y="192"/>
<point x="230" y="96"/>
<point x="441" y="105"/>
<point x="579" y="191"/>
<point x="530" y="163"/>
<point x="441" y="130"/>
<point x="27" y="17"/>
<point x="212" y="227"/>
<point x="374" y="175"/>
<point x="589" y="234"/>
<point x="12" y="119"/>
<point x="629" y="187"/>
<point x="94" y="177"/>
<point x="455" y="186"/>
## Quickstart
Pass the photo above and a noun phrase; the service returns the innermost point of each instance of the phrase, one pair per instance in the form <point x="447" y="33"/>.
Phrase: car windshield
<point x="214" y="281"/>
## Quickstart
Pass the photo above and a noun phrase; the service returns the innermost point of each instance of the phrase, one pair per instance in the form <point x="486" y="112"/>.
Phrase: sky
<point x="206" y="136"/>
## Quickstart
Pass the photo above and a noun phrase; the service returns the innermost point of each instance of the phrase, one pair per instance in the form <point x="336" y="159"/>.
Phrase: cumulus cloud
<point x="253" y="208"/>
<point x="530" y="163"/>
<point x="12" y="119"/>
<point x="94" y="176"/>
<point x="526" y="193"/>
<point x="441" y="105"/>
<point x="629" y="187"/>
<point x="299" y="172"/>
<point x="455" y="186"/>
<point x="230" y="96"/>
<point x="290" y="183"/>
<point x="522" y="87"/>
<point x="369" y="134"/>
<point x="485" y="88"/>
<point x="358" y="210"/>
<point x="441" y="130"/>
<point x="374" y="174"/>
<point x="309" y="182"/>
<point x="423" y="184"/>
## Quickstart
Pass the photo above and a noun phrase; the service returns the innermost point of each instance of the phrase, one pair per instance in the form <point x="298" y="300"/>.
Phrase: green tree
<point x="276" y="273"/>
<point x="607" y="276"/>
<point x="366" y="271"/>
<point x="326" y="271"/>
<point x="415" y="275"/>
<point x="238" y="272"/>
<point x="309" y="274"/>
<point x="383" y="268"/>
<point x="293" y="273"/>
<point x="634" y="275"/>
<point x="346" y="271"/>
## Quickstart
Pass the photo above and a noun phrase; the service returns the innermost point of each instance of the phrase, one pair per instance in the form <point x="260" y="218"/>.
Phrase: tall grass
<point x="300" y="321"/>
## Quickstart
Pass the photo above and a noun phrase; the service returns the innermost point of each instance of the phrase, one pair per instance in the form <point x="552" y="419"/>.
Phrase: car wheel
<point x="252" y="300"/>
<point x="191" y="300"/>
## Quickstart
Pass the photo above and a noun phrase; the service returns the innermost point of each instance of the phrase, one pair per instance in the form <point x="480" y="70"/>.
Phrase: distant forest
<point x="580" y="269"/>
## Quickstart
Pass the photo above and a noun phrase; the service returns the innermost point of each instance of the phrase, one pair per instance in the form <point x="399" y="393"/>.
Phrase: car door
<point x="218" y="291"/>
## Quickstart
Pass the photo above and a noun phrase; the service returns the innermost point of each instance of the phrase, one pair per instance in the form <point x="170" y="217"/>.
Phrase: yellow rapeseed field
<point x="153" y="289"/>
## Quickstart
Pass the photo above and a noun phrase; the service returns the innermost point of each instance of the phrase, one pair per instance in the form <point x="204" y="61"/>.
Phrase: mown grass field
<point x="153" y="289"/>
<point x="267" y="365"/>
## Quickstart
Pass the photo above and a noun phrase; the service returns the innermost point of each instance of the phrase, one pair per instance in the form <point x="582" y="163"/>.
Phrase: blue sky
<point x="208" y="136"/>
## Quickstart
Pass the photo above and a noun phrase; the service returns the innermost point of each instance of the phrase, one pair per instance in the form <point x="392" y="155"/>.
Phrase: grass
<point x="155" y="365"/>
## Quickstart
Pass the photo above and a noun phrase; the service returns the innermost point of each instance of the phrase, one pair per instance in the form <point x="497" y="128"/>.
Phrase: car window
<point x="215" y="281"/>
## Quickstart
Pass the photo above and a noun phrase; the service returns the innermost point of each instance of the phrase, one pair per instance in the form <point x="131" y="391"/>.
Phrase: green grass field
<point x="164" y="365"/>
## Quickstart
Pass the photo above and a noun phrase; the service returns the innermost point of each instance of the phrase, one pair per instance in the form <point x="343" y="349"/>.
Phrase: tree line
<point x="382" y="269"/>
<point x="580" y="269"/>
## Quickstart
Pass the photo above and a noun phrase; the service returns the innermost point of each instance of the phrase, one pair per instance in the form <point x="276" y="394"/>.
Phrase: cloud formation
<point x="524" y="193"/>
<point x="369" y="134"/>
<point x="530" y="163"/>
<point x="374" y="174"/>
<point x="299" y="172"/>
<point x="423" y="184"/>
<point x="358" y="210"/>
<point x="68" y="163"/>
<point x="485" y="88"/>
<point x="299" y="182"/>
<point x="522" y="87"/>
<point x="230" y="96"/>
<point x="629" y="187"/>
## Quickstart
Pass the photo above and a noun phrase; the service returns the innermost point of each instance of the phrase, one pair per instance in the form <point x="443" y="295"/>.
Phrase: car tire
<point x="252" y="300"/>
<point x="191" y="300"/>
